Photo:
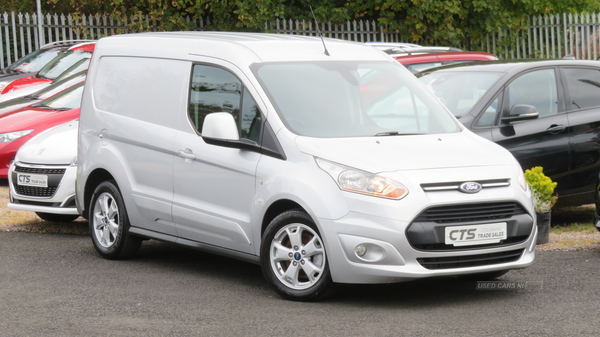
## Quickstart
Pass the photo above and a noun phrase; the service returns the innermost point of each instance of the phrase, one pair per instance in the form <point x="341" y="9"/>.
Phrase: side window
<point x="422" y="65"/>
<point x="488" y="117"/>
<point x="537" y="88"/>
<point x="217" y="90"/>
<point x="251" y="120"/>
<point x="584" y="87"/>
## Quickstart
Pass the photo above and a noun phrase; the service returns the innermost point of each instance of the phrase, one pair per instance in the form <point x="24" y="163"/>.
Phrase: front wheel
<point x="293" y="258"/>
<point x="109" y="223"/>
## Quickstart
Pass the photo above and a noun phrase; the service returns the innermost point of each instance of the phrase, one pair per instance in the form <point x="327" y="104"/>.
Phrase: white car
<point x="324" y="161"/>
<point x="42" y="175"/>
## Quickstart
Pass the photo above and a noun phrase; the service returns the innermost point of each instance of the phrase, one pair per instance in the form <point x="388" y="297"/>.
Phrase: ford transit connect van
<point x="324" y="161"/>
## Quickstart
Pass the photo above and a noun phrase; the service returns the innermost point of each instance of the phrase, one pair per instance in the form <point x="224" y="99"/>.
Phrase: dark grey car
<point x="547" y="113"/>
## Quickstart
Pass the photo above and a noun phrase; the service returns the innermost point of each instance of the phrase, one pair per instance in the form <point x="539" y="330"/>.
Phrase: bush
<point x="542" y="189"/>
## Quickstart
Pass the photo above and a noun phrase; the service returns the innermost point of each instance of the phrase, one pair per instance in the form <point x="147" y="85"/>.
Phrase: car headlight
<point x="3" y="85"/>
<point x="74" y="162"/>
<point x="10" y="136"/>
<point x="358" y="181"/>
<point x="522" y="181"/>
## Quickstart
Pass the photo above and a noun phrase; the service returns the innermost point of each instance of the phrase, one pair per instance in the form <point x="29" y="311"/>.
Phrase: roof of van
<point x="236" y="47"/>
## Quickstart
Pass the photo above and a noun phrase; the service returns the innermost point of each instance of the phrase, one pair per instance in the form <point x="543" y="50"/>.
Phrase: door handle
<point x="556" y="128"/>
<point x="187" y="154"/>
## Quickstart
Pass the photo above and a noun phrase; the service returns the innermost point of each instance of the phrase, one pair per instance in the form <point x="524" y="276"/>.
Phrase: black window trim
<point x="567" y="93"/>
<point x="559" y="93"/>
<point x="500" y="96"/>
<point x="275" y="150"/>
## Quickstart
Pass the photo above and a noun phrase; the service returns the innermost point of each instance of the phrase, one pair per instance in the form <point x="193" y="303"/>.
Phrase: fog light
<point x="360" y="250"/>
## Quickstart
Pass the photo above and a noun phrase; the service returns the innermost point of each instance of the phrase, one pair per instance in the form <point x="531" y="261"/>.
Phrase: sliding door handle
<point x="187" y="154"/>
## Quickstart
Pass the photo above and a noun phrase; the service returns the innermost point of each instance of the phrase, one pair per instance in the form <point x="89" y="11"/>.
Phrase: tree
<point x="450" y="22"/>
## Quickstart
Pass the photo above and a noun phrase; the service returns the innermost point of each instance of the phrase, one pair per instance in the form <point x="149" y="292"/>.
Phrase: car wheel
<point x="484" y="276"/>
<point x="57" y="217"/>
<point x="293" y="258"/>
<point x="109" y="223"/>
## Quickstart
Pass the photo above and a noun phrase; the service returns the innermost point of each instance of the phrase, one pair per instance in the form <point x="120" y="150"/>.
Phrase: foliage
<point x="587" y="228"/>
<point x="542" y="189"/>
<point x="18" y="6"/>
<point x="444" y="22"/>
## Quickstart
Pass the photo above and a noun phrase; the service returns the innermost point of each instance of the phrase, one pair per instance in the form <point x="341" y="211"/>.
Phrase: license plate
<point x="37" y="180"/>
<point x="475" y="234"/>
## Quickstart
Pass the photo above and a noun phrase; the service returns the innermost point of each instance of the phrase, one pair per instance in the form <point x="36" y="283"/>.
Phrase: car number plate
<point x="36" y="180"/>
<point x="475" y="234"/>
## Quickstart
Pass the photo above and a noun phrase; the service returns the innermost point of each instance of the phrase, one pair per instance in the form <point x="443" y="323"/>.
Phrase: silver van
<point x="324" y="161"/>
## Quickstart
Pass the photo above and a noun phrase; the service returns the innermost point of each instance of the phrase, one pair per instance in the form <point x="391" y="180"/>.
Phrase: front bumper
<point x="391" y="257"/>
<point x="58" y="198"/>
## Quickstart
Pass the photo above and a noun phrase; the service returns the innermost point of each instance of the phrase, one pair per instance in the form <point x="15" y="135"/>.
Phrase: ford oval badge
<point x="470" y="187"/>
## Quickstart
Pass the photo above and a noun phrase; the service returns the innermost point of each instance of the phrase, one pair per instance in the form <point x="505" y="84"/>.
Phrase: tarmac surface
<point x="57" y="285"/>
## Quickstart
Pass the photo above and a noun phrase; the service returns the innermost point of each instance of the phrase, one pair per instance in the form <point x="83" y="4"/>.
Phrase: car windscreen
<point x="34" y="61"/>
<point x="59" y="85"/>
<point x="328" y="99"/>
<point x="459" y="91"/>
<point x="64" y="61"/>
<point x="66" y="100"/>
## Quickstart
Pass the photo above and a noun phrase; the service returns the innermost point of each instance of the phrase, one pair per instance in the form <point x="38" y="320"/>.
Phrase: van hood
<point x="54" y="146"/>
<point x="408" y="152"/>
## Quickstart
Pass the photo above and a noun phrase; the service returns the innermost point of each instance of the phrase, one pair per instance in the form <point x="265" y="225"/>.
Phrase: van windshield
<point x="352" y="99"/>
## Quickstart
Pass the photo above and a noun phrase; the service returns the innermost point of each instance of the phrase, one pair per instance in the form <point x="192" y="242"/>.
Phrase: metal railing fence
<point x="550" y="36"/>
<point x="19" y="33"/>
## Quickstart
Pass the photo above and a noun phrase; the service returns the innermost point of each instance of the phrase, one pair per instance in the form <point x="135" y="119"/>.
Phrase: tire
<point x="483" y="276"/>
<point x="57" y="217"/>
<point x="293" y="258"/>
<point x="109" y="223"/>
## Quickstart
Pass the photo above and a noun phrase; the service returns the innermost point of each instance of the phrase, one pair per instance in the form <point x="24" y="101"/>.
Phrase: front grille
<point x="55" y="175"/>
<point x="37" y="170"/>
<point x="470" y="260"/>
<point x="35" y="191"/>
<point x="455" y="185"/>
<point x="427" y="231"/>
<point x="442" y="246"/>
<point x="37" y="203"/>
<point x="471" y="212"/>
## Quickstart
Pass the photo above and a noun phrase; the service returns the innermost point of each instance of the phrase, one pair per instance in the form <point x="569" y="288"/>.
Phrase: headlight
<point x="3" y="85"/>
<point x="353" y="180"/>
<point x="10" y="136"/>
<point x="74" y="162"/>
<point x="522" y="180"/>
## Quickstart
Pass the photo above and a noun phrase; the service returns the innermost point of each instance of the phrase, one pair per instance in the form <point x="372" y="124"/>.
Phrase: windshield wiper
<point x="40" y="105"/>
<point x="387" y="133"/>
<point x="396" y="133"/>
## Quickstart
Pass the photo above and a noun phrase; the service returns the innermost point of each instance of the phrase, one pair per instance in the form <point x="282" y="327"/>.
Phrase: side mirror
<point x="521" y="112"/>
<point x="220" y="126"/>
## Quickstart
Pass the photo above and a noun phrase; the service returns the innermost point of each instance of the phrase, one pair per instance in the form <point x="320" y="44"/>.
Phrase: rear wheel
<point x="57" y="217"/>
<point x="293" y="258"/>
<point x="109" y="223"/>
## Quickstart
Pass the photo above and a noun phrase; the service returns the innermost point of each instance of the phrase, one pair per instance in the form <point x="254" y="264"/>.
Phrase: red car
<point x="20" y="125"/>
<point x="68" y="62"/>
<point x="416" y="62"/>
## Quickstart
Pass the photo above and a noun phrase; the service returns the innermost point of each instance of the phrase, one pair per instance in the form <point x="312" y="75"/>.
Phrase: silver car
<point x="324" y="161"/>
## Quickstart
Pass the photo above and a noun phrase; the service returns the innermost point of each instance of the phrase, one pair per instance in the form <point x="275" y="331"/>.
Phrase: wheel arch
<point x="94" y="179"/>
<point x="277" y="208"/>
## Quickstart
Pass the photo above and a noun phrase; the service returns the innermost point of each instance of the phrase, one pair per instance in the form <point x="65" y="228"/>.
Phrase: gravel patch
<point x="572" y="241"/>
